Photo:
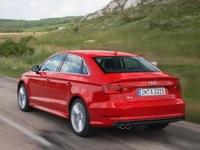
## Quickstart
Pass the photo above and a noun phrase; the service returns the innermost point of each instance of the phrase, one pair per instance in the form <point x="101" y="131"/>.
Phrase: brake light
<point x="176" y="87"/>
<point x="117" y="89"/>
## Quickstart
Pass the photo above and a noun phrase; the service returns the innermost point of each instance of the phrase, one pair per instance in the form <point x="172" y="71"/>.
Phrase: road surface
<point x="39" y="130"/>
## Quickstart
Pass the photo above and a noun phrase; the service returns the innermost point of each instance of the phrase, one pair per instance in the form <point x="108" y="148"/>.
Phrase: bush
<point x="128" y="19"/>
<point x="154" y="25"/>
<point x="11" y="48"/>
<point x="76" y="29"/>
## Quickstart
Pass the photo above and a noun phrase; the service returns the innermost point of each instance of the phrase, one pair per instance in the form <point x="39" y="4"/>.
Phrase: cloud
<point x="4" y="4"/>
<point x="38" y="9"/>
<point x="68" y="9"/>
<point x="33" y="3"/>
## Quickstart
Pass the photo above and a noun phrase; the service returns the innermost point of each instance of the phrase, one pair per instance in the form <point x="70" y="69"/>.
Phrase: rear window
<point x="123" y="64"/>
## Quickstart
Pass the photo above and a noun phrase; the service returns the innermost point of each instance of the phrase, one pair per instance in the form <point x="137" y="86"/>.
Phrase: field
<point x="166" y="32"/>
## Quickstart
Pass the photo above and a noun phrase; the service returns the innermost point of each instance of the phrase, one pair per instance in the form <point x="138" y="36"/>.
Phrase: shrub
<point x="11" y="48"/>
<point x="127" y="19"/>
<point x="76" y="29"/>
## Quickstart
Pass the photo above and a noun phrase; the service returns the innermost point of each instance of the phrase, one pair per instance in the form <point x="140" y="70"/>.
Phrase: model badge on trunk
<point x="153" y="83"/>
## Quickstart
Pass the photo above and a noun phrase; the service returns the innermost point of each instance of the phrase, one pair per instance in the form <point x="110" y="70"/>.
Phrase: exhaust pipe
<point x="122" y="126"/>
<point x="128" y="126"/>
<point x="125" y="126"/>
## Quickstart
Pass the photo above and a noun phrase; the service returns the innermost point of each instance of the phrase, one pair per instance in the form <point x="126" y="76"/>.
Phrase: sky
<point x="39" y="9"/>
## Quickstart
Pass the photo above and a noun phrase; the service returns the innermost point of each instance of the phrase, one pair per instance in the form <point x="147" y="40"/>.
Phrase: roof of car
<point x="97" y="53"/>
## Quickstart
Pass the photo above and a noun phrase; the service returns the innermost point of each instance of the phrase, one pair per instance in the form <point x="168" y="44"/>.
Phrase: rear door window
<point x="74" y="64"/>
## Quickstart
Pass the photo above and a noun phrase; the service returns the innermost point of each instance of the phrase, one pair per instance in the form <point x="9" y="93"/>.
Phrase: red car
<point x="95" y="88"/>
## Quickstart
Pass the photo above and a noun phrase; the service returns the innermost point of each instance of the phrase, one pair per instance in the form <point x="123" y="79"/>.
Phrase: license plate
<point x="151" y="92"/>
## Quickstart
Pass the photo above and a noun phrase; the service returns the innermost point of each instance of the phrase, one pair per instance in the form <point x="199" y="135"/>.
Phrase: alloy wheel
<point x="22" y="97"/>
<point x="78" y="117"/>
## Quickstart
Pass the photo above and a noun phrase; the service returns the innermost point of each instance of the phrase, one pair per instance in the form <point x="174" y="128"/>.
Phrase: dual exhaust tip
<point x="125" y="126"/>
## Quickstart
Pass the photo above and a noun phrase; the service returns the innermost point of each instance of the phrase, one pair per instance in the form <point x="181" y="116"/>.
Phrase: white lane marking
<point x="28" y="133"/>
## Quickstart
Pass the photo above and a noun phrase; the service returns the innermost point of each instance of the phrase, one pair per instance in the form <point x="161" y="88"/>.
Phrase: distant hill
<point x="9" y="25"/>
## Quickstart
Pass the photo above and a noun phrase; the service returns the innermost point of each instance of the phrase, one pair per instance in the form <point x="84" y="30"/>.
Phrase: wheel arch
<point x="73" y="99"/>
<point x="20" y="83"/>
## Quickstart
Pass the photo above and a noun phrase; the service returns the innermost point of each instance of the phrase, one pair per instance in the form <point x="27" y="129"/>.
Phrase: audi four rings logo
<point x="153" y="83"/>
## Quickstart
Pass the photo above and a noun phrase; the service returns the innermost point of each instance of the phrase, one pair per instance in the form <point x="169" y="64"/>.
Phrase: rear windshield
<point x="123" y="64"/>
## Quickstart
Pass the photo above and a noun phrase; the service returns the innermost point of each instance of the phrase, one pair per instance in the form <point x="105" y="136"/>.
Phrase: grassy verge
<point x="189" y="79"/>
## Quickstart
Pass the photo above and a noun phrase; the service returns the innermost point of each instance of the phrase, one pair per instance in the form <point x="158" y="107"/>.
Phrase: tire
<point x="23" y="99"/>
<point x="158" y="126"/>
<point x="79" y="118"/>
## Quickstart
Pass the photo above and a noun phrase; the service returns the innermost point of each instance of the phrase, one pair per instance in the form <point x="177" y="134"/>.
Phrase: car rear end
<point x="138" y="93"/>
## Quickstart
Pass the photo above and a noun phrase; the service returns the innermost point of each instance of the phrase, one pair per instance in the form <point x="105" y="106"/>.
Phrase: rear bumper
<point x="107" y="114"/>
<point x="148" y="122"/>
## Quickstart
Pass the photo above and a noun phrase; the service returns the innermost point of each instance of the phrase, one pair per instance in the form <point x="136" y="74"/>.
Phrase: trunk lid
<point x="147" y="86"/>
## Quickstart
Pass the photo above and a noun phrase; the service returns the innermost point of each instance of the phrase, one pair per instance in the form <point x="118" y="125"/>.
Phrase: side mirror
<point x="36" y="69"/>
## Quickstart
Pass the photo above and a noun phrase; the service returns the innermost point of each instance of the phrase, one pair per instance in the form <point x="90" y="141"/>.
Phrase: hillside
<point x="116" y="5"/>
<point x="166" y="31"/>
<point x="8" y="25"/>
<point x="153" y="27"/>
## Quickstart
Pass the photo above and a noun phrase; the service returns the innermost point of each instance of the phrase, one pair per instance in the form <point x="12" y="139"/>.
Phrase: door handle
<point x="48" y="81"/>
<point x="69" y="84"/>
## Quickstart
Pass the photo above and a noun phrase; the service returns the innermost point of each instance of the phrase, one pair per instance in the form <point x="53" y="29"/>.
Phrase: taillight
<point x="176" y="87"/>
<point x="117" y="88"/>
<point x="111" y="89"/>
<point x="127" y="88"/>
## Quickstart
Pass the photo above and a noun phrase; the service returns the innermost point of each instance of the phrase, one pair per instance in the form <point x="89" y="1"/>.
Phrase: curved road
<point x="39" y="130"/>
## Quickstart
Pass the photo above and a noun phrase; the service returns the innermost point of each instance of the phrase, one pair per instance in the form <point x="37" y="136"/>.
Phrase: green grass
<point x="189" y="75"/>
<point x="166" y="32"/>
<point x="15" y="66"/>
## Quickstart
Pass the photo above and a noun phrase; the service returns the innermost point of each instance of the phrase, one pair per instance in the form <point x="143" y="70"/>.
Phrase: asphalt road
<point x="39" y="130"/>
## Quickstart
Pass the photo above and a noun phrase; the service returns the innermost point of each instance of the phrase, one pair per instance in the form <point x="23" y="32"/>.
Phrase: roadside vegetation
<point x="165" y="31"/>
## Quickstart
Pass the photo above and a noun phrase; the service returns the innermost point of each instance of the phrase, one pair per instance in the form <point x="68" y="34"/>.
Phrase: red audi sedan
<point x="94" y="88"/>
